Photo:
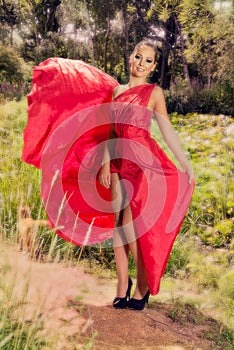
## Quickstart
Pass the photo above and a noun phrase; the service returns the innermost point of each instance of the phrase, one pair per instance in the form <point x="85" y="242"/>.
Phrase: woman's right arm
<point x="105" y="174"/>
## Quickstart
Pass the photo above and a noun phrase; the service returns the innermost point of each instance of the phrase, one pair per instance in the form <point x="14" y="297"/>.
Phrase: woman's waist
<point x="131" y="131"/>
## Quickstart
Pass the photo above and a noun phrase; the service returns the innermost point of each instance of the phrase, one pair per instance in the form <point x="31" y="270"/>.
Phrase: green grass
<point x="208" y="224"/>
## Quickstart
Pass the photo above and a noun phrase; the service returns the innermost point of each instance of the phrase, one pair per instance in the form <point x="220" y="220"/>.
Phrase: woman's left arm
<point x="169" y="133"/>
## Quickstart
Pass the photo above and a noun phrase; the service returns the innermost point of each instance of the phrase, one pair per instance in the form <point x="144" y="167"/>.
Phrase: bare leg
<point x="121" y="251"/>
<point x="142" y="286"/>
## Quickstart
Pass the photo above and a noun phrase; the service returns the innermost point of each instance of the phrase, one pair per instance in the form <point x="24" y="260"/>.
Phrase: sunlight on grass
<point x="197" y="271"/>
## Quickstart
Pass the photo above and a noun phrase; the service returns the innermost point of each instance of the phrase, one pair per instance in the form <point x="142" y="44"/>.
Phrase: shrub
<point x="217" y="100"/>
<point x="226" y="285"/>
<point x="14" y="74"/>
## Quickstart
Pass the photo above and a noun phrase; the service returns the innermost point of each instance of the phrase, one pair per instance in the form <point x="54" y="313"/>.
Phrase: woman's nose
<point x="141" y="62"/>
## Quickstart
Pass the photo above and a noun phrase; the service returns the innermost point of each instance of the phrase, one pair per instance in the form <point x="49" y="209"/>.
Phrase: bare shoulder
<point x="119" y="89"/>
<point x="158" y="93"/>
<point x="156" y="98"/>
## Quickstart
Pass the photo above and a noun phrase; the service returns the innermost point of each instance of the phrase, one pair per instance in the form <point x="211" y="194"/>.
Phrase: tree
<point x="167" y="14"/>
<point x="9" y="15"/>
<point x="39" y="20"/>
<point x="11" y="66"/>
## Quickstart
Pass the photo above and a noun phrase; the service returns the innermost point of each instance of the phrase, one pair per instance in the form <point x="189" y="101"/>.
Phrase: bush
<point x="14" y="74"/>
<point x="226" y="285"/>
<point x="179" y="258"/>
<point x="217" y="100"/>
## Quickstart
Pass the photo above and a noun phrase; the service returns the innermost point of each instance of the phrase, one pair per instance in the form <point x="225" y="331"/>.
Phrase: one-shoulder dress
<point x="66" y="98"/>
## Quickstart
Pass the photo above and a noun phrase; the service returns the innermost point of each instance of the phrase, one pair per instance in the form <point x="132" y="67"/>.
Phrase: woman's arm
<point x="168" y="132"/>
<point x="105" y="175"/>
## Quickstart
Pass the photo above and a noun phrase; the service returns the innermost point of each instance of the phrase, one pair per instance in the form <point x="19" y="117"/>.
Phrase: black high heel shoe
<point x="138" y="304"/>
<point x="121" y="303"/>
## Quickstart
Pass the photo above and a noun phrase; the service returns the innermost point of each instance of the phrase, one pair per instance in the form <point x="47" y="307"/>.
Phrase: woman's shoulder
<point x="156" y="98"/>
<point x="118" y="90"/>
<point x="157" y="91"/>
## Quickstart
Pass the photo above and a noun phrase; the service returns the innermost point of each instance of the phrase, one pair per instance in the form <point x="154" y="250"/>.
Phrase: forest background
<point x="195" y="69"/>
<point x="195" y="42"/>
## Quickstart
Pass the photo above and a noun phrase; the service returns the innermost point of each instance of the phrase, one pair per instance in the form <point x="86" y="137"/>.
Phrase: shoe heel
<point x="146" y="297"/>
<point x="128" y="293"/>
<point x="138" y="304"/>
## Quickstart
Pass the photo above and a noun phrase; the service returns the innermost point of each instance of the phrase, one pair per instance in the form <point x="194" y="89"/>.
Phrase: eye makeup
<point x="147" y="60"/>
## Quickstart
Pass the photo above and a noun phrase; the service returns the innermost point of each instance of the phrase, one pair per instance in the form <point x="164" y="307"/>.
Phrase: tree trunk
<point x="106" y="42"/>
<point x="182" y="49"/>
<point x="126" y="48"/>
<point x="208" y="71"/>
<point x="90" y="39"/>
<point x="162" y="67"/>
<point x="173" y="66"/>
<point x="174" y="57"/>
<point x="11" y="34"/>
<point x="164" y="78"/>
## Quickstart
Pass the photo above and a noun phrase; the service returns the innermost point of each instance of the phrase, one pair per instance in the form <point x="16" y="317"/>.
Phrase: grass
<point x="17" y="331"/>
<point x="184" y="313"/>
<point x="195" y="258"/>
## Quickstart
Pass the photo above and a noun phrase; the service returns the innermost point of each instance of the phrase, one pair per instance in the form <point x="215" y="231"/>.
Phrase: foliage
<point x="209" y="219"/>
<point x="179" y="258"/>
<point x="13" y="74"/>
<point x="208" y="139"/>
<point x="10" y="65"/>
<point x="195" y="41"/>
<point x="217" y="100"/>
<point x="20" y="184"/>
<point x="226" y="285"/>
<point x="52" y="45"/>
<point x="209" y="142"/>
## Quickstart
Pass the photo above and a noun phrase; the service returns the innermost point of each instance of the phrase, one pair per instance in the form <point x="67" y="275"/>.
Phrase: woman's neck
<point x="135" y="82"/>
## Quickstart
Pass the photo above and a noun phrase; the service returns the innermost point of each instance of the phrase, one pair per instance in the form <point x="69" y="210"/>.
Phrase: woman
<point x="148" y="215"/>
<point x="142" y="63"/>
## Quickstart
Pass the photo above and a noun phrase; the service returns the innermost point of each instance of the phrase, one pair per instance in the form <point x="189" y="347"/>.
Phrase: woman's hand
<point x="187" y="168"/>
<point x="105" y="175"/>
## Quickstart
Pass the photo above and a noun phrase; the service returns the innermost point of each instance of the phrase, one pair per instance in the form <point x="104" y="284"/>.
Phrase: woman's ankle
<point x="122" y="288"/>
<point x="140" y="291"/>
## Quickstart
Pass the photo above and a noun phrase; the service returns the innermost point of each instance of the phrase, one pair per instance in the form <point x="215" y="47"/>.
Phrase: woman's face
<point x="142" y="62"/>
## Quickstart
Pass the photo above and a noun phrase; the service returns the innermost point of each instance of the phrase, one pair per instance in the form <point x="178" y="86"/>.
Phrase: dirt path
<point x="77" y="306"/>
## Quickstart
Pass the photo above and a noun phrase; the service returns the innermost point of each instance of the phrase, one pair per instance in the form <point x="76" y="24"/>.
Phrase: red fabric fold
<point x="60" y="88"/>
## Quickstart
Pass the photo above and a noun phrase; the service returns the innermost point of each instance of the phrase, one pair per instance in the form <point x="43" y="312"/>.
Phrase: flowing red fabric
<point x="62" y="88"/>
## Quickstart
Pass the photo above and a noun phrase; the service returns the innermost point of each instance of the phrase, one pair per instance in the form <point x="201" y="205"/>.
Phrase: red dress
<point x="162" y="192"/>
<point x="158" y="192"/>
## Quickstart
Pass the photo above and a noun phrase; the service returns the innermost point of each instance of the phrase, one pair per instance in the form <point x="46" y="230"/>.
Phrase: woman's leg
<point x="121" y="250"/>
<point x="129" y="230"/>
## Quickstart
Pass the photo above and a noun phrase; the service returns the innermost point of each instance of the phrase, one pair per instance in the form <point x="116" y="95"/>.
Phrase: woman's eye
<point x="137" y="57"/>
<point x="148" y="61"/>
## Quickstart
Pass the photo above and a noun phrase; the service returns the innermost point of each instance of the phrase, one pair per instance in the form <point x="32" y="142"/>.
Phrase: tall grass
<point x="20" y="183"/>
<point x="210" y="216"/>
<point x="17" y="331"/>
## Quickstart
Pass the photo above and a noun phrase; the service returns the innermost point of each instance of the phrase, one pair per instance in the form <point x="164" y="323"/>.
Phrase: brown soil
<point x="76" y="309"/>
